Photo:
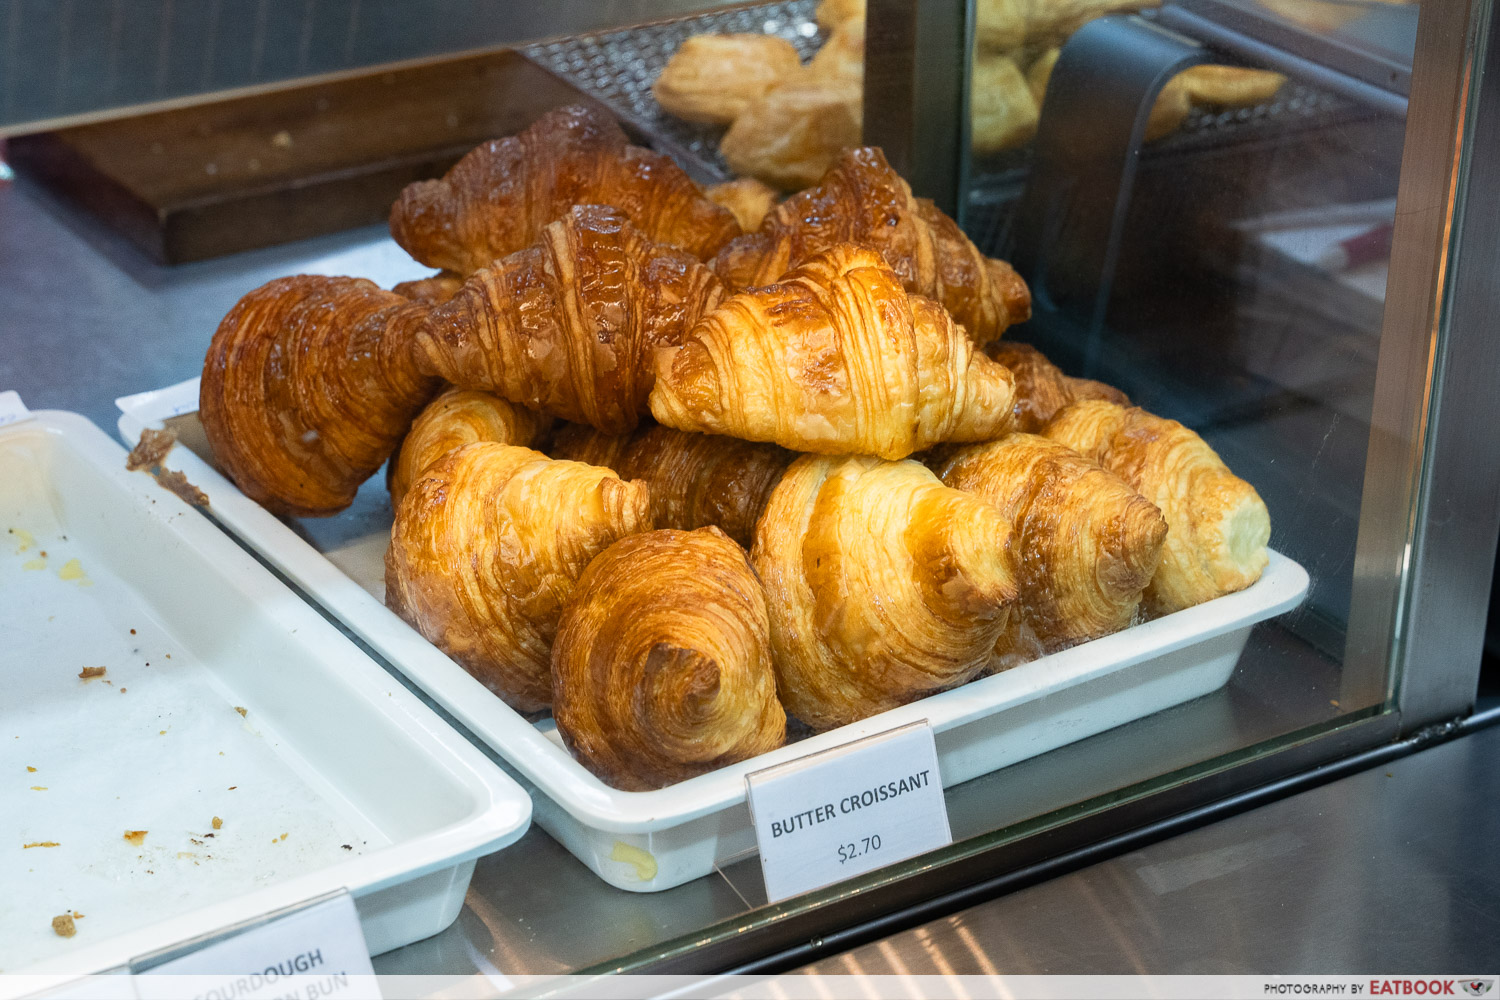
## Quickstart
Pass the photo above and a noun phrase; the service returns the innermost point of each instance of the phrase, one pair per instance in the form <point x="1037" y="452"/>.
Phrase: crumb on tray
<point x="175" y="482"/>
<point x="218" y="822"/>
<point x="63" y="925"/>
<point x="41" y="843"/>
<point x="150" y="450"/>
<point x="136" y="837"/>
<point x="30" y="769"/>
<point x="241" y="709"/>
<point x="73" y="570"/>
<point x="89" y="673"/>
<point x="38" y="788"/>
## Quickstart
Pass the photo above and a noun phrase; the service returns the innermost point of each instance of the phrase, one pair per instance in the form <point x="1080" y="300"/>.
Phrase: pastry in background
<point x="661" y="670"/>
<point x="862" y="200"/>
<point x="1002" y="112"/>
<point x="1170" y="110"/>
<point x="307" y="387"/>
<point x="843" y="55"/>
<point x="434" y="290"/>
<point x="790" y="137"/>
<point x="1050" y="22"/>
<point x="835" y="358"/>
<point x="883" y="585"/>
<point x="749" y="200"/>
<point x="696" y="480"/>
<point x="1041" y="387"/>
<point x="832" y="13"/>
<point x="1000" y="25"/>
<point x="1218" y="525"/>
<point x="713" y="78"/>
<point x="457" y="417"/>
<point x="1039" y="74"/>
<point x="1230" y="86"/>
<point x="1084" y="544"/>
<point x="569" y="327"/>
<point x="485" y="551"/>
<point x="496" y="200"/>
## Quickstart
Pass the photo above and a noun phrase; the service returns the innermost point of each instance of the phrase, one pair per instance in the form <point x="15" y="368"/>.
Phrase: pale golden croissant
<point x="792" y="135"/>
<point x="307" y="387"/>
<point x="433" y="290"/>
<point x="836" y="358"/>
<point x="862" y="200"/>
<point x="569" y="327"/>
<point x="696" y="480"/>
<point x="1218" y="525"/>
<point x="1041" y="387"/>
<point x="1085" y="545"/>
<point x="496" y="200"/>
<point x="749" y="200"/>
<point x="883" y="584"/>
<point x="455" y="418"/>
<point x="713" y="78"/>
<point x="486" y="549"/>
<point x="662" y="666"/>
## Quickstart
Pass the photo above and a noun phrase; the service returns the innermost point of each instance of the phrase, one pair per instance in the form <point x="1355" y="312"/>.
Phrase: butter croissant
<point x="455" y="418"/>
<point x="1218" y="525"/>
<point x="862" y="200"/>
<point x="696" y="480"/>
<point x="486" y="549"/>
<point x="1085" y="545"/>
<point x="662" y="666"/>
<point x="496" y="200"/>
<point x="1041" y="387"/>
<point x="883" y="585"/>
<point x="835" y="358"/>
<point x="307" y="387"/>
<point x="569" y="327"/>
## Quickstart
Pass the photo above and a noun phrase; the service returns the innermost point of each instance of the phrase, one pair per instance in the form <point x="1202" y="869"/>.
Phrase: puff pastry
<point x="1218" y="525"/>
<point x="1041" y="387"/>
<point x="486" y="549"/>
<point x="1084" y="544"/>
<point x="1002" y="112"/>
<point x="1000" y="25"/>
<point x="307" y="387"/>
<point x="883" y="585"/>
<point x="836" y="358"/>
<point x="861" y="199"/>
<point x="713" y="78"/>
<point x="455" y="418"/>
<point x="843" y="55"/>
<point x="749" y="199"/>
<point x="662" y="665"/>
<point x="497" y="199"/>
<point x="1230" y="86"/>
<point x="791" y="136"/>
<point x="696" y="480"/>
<point x="832" y="13"/>
<point x="569" y="327"/>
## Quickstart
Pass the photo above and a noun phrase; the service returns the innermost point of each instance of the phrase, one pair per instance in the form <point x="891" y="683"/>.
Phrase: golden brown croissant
<point x="696" y="480"/>
<point x="1084" y="544"/>
<point x="569" y="326"/>
<point x="307" y="387"/>
<point x="496" y="200"/>
<point x="486" y="549"/>
<point x="836" y="358"/>
<point x="790" y="137"/>
<point x="662" y="666"/>
<point x="749" y="200"/>
<point x="862" y="200"/>
<point x="1041" y="387"/>
<point x="1218" y="525"/>
<point x="455" y="418"/>
<point x="883" y="584"/>
<point x="713" y="78"/>
<point x="433" y="290"/>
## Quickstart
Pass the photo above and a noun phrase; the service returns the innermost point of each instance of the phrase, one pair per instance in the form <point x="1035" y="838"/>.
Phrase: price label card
<point x="12" y="410"/>
<point x="830" y="816"/>
<point x="312" y="952"/>
<point x="156" y="405"/>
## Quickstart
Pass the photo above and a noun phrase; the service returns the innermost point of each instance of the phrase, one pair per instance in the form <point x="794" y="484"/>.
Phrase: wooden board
<point x="234" y="175"/>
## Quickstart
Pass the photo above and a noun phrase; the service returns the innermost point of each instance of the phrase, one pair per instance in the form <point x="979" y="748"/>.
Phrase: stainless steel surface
<point x="1442" y="74"/>
<point x="1393" y="869"/>
<point x="1454" y="544"/>
<point x="69" y="62"/>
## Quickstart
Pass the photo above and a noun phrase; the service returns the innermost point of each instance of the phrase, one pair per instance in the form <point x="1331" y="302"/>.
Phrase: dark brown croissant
<point x="307" y="387"/>
<point x="696" y="480"/>
<point x="1041" y="387"/>
<point x="496" y="200"/>
<point x="1084" y="544"/>
<point x="862" y="200"/>
<point x="570" y="326"/>
<point x="662" y="666"/>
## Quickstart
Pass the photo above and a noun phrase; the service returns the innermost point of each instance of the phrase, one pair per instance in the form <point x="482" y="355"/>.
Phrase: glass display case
<point x="1289" y="258"/>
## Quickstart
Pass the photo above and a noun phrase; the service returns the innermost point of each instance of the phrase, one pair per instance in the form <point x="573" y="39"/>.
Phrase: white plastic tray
<point x="334" y="776"/>
<point x="647" y="841"/>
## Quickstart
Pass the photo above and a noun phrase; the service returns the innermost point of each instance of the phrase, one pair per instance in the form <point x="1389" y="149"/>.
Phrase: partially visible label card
<point x="12" y="410"/>
<point x="316" y="952"/>
<point x="157" y="405"/>
<point x="843" y="812"/>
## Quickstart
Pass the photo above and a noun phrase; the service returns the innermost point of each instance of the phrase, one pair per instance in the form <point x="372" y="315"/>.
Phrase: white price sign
<point x="830" y="816"/>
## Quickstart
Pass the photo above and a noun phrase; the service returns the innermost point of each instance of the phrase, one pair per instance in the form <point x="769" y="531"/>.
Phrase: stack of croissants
<point x="675" y="482"/>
